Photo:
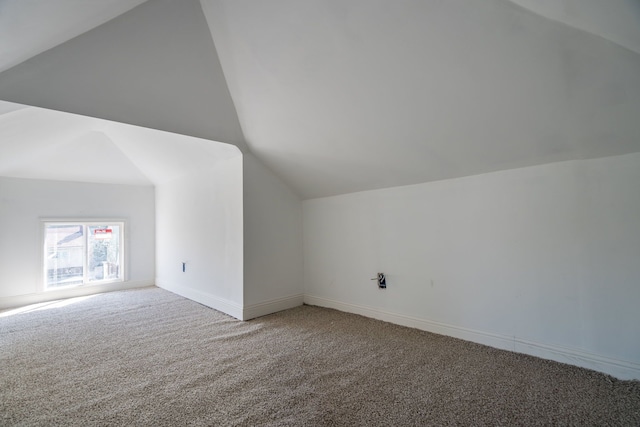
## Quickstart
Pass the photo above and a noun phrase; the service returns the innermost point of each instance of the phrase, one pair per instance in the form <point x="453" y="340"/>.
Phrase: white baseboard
<point x="618" y="368"/>
<point x="79" y="291"/>
<point x="621" y="369"/>
<point x="272" y="306"/>
<point x="225" y="306"/>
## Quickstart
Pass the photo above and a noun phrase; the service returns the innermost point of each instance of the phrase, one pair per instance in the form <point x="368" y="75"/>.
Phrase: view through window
<point x="78" y="253"/>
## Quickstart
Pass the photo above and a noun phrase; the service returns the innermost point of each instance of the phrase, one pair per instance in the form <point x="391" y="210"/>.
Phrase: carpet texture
<point x="149" y="357"/>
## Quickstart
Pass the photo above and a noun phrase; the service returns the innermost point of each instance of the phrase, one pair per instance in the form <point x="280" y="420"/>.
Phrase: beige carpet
<point x="148" y="357"/>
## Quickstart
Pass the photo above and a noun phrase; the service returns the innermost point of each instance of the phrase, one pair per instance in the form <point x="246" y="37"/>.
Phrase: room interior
<point x="485" y="156"/>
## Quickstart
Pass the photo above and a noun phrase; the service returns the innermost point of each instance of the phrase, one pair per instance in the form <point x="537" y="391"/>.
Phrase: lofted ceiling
<point x="29" y="27"/>
<point x="336" y="96"/>
<point x="38" y="143"/>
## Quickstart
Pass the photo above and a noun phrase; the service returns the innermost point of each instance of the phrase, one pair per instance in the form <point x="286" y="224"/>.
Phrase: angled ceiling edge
<point x="28" y="28"/>
<point x="155" y="66"/>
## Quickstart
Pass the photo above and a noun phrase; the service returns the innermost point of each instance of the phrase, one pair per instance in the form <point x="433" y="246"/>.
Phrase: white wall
<point x="272" y="242"/>
<point x="23" y="202"/>
<point x="543" y="260"/>
<point x="199" y="221"/>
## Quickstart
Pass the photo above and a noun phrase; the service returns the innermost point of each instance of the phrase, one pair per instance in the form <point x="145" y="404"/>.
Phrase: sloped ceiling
<point x="29" y="27"/>
<point x="339" y="96"/>
<point x="155" y="66"/>
<point x="345" y="96"/>
<point x="38" y="143"/>
<point x="614" y="20"/>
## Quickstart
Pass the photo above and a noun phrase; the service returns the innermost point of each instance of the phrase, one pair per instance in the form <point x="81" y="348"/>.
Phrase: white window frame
<point x="85" y="222"/>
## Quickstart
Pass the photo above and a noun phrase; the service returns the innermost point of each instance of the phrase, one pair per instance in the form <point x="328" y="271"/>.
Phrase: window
<point x="82" y="253"/>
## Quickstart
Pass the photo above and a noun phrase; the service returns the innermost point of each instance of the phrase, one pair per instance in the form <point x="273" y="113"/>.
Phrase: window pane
<point x="103" y="252"/>
<point x="64" y="246"/>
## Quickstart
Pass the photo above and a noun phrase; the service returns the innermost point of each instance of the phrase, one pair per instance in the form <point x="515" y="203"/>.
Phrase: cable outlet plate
<point x="382" y="280"/>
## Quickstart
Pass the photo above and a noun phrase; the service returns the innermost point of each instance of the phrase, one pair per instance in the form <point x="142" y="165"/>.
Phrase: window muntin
<point x="82" y="253"/>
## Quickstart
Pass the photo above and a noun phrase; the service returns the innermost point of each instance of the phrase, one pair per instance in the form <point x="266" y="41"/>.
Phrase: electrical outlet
<point x="382" y="281"/>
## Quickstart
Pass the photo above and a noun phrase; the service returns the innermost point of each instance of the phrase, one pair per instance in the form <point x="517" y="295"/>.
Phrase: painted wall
<point x="199" y="222"/>
<point x="272" y="242"/>
<point x="24" y="201"/>
<point x="542" y="260"/>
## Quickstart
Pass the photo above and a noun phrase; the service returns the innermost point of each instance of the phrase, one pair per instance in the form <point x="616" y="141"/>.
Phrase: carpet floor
<point x="150" y="358"/>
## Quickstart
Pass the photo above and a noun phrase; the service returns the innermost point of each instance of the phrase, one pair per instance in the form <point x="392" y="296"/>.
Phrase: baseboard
<point x="79" y="291"/>
<point x="621" y="369"/>
<point x="618" y="368"/>
<point x="272" y="306"/>
<point x="225" y="306"/>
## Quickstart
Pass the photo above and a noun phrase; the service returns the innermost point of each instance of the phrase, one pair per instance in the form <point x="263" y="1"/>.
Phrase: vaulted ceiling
<point x="39" y="143"/>
<point x="339" y="96"/>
